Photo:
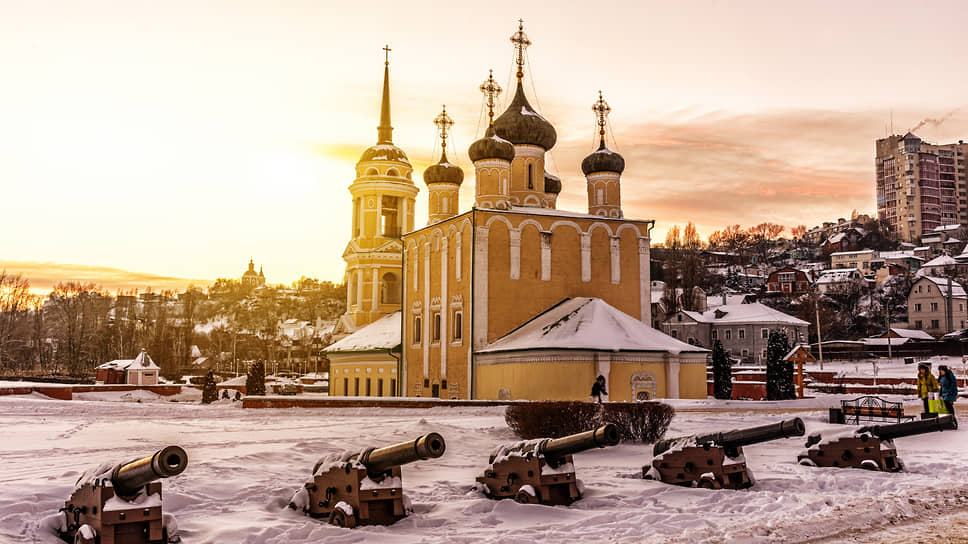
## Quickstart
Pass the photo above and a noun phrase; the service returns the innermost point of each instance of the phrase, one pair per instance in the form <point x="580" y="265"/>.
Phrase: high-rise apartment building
<point x="920" y="186"/>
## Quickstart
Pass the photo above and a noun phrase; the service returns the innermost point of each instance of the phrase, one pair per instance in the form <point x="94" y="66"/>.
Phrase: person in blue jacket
<point x="949" y="388"/>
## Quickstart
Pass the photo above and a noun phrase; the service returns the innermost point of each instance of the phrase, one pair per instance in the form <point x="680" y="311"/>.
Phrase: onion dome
<point x="491" y="146"/>
<point x="603" y="160"/>
<point x="520" y="124"/>
<point x="552" y="183"/>
<point x="443" y="172"/>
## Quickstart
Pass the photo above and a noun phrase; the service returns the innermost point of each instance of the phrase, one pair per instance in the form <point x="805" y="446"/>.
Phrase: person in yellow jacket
<point x="926" y="384"/>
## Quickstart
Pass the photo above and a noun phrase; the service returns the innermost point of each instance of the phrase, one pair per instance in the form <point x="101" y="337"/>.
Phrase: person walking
<point x="926" y="384"/>
<point x="598" y="389"/>
<point x="949" y="388"/>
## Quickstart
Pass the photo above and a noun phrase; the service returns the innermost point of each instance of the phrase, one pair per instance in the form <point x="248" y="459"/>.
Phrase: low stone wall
<point x="362" y="402"/>
<point x="66" y="392"/>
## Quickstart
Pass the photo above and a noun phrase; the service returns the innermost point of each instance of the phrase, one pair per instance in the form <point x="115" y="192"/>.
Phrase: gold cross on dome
<point x="491" y="89"/>
<point x="521" y="42"/>
<point x="601" y="110"/>
<point x="386" y="49"/>
<point x="443" y="122"/>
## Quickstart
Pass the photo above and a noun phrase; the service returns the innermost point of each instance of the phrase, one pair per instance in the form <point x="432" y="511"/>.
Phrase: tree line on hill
<point x="80" y="325"/>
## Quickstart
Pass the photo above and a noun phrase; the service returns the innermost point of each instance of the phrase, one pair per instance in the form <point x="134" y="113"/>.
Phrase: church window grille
<point x="530" y="176"/>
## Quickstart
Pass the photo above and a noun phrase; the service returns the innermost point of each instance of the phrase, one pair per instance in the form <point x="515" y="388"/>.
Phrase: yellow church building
<point x="489" y="294"/>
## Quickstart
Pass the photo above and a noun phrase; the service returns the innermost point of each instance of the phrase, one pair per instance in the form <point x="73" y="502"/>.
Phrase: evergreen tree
<point x="255" y="380"/>
<point x="722" y="373"/>
<point x="209" y="391"/>
<point x="779" y="373"/>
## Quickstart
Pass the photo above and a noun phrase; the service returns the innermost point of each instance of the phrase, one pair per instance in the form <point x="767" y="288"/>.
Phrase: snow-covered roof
<point x="911" y="333"/>
<point x="588" y="324"/>
<point x="957" y="291"/>
<point x="947" y="228"/>
<point x="838" y="275"/>
<point x="884" y="341"/>
<point x="908" y="254"/>
<point x="755" y="312"/>
<point x="141" y="362"/>
<point x="384" y="333"/>
<point x="942" y="260"/>
<point x="714" y="301"/>
<point x="852" y="253"/>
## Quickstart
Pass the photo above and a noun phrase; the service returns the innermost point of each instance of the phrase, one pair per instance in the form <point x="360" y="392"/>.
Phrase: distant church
<point x="251" y="278"/>
<point x="513" y="299"/>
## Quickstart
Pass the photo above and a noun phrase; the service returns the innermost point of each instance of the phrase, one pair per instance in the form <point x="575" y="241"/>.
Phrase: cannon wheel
<point x="79" y="538"/>
<point x="708" y="483"/>
<point x="340" y="518"/>
<point x="523" y="497"/>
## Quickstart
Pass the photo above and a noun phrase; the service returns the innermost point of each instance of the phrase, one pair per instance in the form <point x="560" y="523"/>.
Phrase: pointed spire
<point x="443" y="122"/>
<point x="601" y="110"/>
<point x="521" y="42"/>
<point x="491" y="89"/>
<point x="384" y="131"/>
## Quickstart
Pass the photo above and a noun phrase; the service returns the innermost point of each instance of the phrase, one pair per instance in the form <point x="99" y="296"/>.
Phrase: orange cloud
<point x="44" y="275"/>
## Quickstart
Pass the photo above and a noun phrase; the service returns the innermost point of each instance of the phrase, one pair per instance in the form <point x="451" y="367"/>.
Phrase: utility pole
<point x="816" y="309"/>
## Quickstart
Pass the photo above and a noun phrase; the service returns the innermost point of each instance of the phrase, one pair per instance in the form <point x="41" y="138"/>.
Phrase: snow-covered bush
<point x="645" y="421"/>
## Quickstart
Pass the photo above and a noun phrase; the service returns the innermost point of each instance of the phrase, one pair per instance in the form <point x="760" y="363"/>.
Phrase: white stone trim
<point x="428" y="318"/>
<point x="480" y="288"/>
<point x="645" y="288"/>
<point x="514" y="240"/>
<point x="615" y="254"/>
<point x="443" y="314"/>
<point x="586" y="257"/>
<point x="545" y="255"/>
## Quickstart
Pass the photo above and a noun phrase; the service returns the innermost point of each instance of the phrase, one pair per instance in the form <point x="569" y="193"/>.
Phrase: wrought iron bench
<point x="870" y="408"/>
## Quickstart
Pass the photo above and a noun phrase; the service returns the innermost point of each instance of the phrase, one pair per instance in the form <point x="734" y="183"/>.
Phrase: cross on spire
<point x="386" y="49"/>
<point x="521" y="42"/>
<point x="491" y="89"/>
<point x="443" y="122"/>
<point x="601" y="110"/>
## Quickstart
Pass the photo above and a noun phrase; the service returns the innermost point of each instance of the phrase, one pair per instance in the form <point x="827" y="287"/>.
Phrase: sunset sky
<point x="149" y="144"/>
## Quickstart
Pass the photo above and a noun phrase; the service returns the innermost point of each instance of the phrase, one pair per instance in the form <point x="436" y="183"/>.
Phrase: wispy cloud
<point x="44" y="275"/>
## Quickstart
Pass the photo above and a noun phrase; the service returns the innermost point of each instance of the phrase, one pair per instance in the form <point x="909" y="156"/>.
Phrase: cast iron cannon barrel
<point x="738" y="437"/>
<point x="378" y="461"/>
<point x="910" y="428"/>
<point x="606" y="435"/>
<point x="128" y="478"/>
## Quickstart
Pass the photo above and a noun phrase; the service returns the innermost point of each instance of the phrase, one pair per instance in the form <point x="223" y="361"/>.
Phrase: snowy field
<point x="245" y="464"/>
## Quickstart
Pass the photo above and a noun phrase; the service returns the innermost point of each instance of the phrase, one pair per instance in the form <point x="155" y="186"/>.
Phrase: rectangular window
<point x="368" y="391"/>
<point x="934" y="306"/>
<point x="763" y="356"/>
<point x="729" y="334"/>
<point x="674" y="333"/>
<point x="393" y="388"/>
<point x="917" y="324"/>
<point x="715" y="335"/>
<point x="356" y="387"/>
<point x="917" y="307"/>
<point x="417" y="329"/>
<point x="765" y="334"/>
<point x="746" y="352"/>
<point x="436" y="330"/>
<point x="379" y="387"/>
<point x="458" y="325"/>
<point x="742" y="334"/>
<point x="346" y="386"/>
<point x="935" y="324"/>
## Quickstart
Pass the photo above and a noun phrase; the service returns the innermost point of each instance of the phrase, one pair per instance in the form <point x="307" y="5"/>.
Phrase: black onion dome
<point x="552" y="183"/>
<point x="384" y="152"/>
<point x="520" y="124"/>
<point x="443" y="172"/>
<point x="603" y="160"/>
<point x="491" y="146"/>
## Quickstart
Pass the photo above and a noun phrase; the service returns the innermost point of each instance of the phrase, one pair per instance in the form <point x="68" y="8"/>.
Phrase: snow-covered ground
<point x="245" y="464"/>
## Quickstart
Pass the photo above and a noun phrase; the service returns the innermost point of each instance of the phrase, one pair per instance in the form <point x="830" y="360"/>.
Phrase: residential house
<point x="861" y="260"/>
<point x="138" y="371"/>
<point x="838" y="281"/>
<point x="851" y="239"/>
<point x="788" y="281"/>
<point x="742" y="329"/>
<point x="937" y="305"/>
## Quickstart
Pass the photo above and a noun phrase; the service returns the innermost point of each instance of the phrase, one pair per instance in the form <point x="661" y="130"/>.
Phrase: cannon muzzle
<point x="378" y="461"/>
<point x="737" y="437"/>
<point x="129" y="478"/>
<point x="910" y="428"/>
<point x="606" y="435"/>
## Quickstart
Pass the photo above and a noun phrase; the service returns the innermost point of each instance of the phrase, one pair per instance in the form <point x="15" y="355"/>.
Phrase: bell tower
<point x="383" y="201"/>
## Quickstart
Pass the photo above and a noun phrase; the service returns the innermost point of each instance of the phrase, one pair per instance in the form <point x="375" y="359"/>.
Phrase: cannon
<point x="366" y="487"/>
<point x="716" y="460"/>
<point x="541" y="471"/>
<point x="870" y="447"/>
<point x="121" y="504"/>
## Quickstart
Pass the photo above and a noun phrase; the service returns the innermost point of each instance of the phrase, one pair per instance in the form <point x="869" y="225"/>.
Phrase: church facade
<point x="472" y="282"/>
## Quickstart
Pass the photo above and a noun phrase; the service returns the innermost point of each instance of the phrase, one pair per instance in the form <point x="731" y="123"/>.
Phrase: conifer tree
<point x="255" y="380"/>
<point x="209" y="390"/>
<point x="722" y="373"/>
<point x="779" y="373"/>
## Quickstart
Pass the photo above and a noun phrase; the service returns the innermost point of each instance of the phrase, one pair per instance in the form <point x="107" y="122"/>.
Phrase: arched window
<point x="599" y="196"/>
<point x="444" y="205"/>
<point x="530" y="176"/>
<point x="393" y="172"/>
<point x="372" y="172"/>
<point x="390" y="289"/>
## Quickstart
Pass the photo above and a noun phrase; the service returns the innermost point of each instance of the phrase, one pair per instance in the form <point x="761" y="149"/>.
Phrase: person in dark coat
<point x="949" y="388"/>
<point x="598" y="388"/>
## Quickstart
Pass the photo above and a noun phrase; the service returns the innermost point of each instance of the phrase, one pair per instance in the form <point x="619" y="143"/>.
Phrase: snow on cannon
<point x="716" y="460"/>
<point x="542" y="470"/>
<point x="364" y="488"/>
<point x="121" y="504"/>
<point x="869" y="447"/>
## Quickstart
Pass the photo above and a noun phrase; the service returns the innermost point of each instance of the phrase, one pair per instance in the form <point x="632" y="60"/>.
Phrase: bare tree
<point x="16" y="302"/>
